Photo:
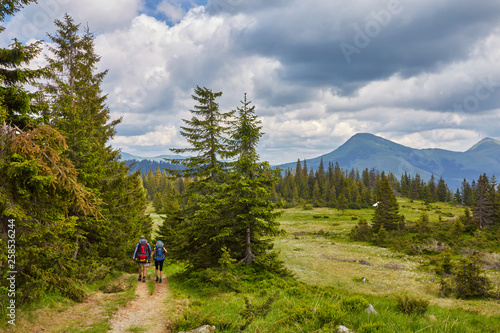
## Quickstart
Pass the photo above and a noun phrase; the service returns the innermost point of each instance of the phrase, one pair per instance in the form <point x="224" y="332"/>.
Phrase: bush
<point x="361" y="232"/>
<point x="410" y="306"/>
<point x="329" y="313"/>
<point x="354" y="304"/>
<point x="307" y="207"/>
<point x="469" y="280"/>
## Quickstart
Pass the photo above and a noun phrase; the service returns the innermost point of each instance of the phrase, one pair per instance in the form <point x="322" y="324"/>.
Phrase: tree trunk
<point x="249" y="256"/>
<point x="75" y="253"/>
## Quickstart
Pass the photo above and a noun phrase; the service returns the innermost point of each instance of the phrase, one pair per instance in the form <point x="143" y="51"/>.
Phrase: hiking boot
<point x="160" y="280"/>
<point x="144" y="279"/>
<point x="139" y="279"/>
<point x="157" y="279"/>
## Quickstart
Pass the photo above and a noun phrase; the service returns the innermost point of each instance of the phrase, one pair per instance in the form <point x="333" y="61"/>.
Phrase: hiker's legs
<point x="161" y="268"/>
<point x="139" y="265"/>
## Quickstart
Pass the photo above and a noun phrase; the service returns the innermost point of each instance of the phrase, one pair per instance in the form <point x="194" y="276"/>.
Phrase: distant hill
<point x="365" y="150"/>
<point x="136" y="163"/>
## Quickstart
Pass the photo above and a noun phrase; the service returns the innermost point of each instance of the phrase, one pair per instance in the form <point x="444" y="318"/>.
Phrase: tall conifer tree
<point x="251" y="186"/>
<point x="198" y="232"/>
<point x="76" y="106"/>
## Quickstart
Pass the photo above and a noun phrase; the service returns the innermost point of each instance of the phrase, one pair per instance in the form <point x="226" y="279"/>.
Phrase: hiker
<point x="159" y="256"/>
<point x="141" y="256"/>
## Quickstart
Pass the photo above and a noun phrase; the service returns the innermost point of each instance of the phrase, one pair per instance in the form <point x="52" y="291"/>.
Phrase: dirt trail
<point x="145" y="313"/>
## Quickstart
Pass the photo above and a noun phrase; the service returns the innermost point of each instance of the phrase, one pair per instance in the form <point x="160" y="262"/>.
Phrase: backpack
<point x="143" y="252"/>
<point x="159" y="252"/>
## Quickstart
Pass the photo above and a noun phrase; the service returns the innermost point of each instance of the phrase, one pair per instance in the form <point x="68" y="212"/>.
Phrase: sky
<point x="422" y="73"/>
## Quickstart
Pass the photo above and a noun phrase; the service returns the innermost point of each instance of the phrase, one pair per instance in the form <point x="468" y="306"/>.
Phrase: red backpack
<point x="143" y="252"/>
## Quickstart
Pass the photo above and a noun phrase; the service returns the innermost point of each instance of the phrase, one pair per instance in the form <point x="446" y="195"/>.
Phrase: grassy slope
<point x="320" y="260"/>
<point x="157" y="219"/>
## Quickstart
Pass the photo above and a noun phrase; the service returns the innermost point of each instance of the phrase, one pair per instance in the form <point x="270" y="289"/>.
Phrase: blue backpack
<point x="159" y="252"/>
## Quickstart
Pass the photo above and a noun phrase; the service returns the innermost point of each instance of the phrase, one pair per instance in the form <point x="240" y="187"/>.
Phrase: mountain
<point x="365" y="150"/>
<point x="130" y="157"/>
<point x="136" y="163"/>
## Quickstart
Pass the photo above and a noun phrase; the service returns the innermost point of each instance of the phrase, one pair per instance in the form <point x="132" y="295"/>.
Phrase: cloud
<point x="421" y="73"/>
<point x="36" y="20"/>
<point x="172" y="10"/>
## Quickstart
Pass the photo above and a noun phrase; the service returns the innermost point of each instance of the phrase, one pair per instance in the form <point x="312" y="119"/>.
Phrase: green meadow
<point x="329" y="272"/>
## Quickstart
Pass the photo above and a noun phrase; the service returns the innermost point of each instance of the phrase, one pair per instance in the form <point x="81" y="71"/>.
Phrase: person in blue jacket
<point x="141" y="256"/>
<point x="159" y="254"/>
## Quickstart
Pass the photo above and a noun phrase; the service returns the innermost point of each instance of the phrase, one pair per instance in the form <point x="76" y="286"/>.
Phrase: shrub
<point x="410" y="306"/>
<point x="469" y="280"/>
<point x="329" y="313"/>
<point x="361" y="232"/>
<point x="252" y="311"/>
<point x="307" y="207"/>
<point x="381" y="237"/>
<point x="354" y="304"/>
<point x="299" y="313"/>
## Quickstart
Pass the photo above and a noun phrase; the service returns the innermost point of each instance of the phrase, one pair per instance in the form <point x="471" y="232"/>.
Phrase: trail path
<point x="146" y="313"/>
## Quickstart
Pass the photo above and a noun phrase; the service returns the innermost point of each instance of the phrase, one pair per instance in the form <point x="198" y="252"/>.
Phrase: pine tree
<point x="76" y="107"/>
<point x="17" y="105"/>
<point x="207" y="133"/>
<point x="442" y="190"/>
<point x="483" y="208"/>
<point x="251" y="184"/>
<point x="199" y="231"/>
<point x="467" y="194"/>
<point x="387" y="211"/>
<point x="39" y="183"/>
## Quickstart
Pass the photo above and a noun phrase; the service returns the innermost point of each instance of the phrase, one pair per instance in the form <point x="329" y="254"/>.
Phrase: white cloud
<point x="36" y="20"/>
<point x="160" y="136"/>
<point x="281" y="53"/>
<point x="172" y="9"/>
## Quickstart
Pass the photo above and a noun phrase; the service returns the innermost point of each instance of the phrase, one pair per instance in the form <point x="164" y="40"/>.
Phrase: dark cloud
<point x="414" y="41"/>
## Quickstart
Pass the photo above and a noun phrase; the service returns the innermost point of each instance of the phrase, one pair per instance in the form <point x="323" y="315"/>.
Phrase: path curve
<point x="146" y="311"/>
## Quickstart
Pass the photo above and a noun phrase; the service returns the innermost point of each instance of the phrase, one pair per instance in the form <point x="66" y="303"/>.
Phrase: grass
<point x="157" y="219"/>
<point x="330" y="260"/>
<point x="151" y="286"/>
<point x="301" y="307"/>
<point x="327" y="267"/>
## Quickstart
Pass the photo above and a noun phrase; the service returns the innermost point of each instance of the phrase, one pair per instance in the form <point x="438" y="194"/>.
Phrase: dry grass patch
<point x="334" y="260"/>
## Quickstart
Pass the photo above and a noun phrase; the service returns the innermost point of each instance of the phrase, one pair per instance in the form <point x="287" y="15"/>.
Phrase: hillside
<point x="365" y="150"/>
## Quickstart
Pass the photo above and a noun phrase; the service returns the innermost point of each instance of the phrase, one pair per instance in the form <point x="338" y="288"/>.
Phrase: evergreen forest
<point x="236" y="229"/>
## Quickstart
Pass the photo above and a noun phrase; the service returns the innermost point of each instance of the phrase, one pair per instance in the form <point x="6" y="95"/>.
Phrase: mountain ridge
<point x="369" y="151"/>
<point x="365" y="150"/>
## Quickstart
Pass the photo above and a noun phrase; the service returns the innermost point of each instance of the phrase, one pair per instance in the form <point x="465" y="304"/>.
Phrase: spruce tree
<point x="198" y="232"/>
<point x="483" y="208"/>
<point x="207" y="133"/>
<point x="387" y="211"/>
<point x="76" y="106"/>
<point x="39" y="182"/>
<point x="251" y="186"/>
